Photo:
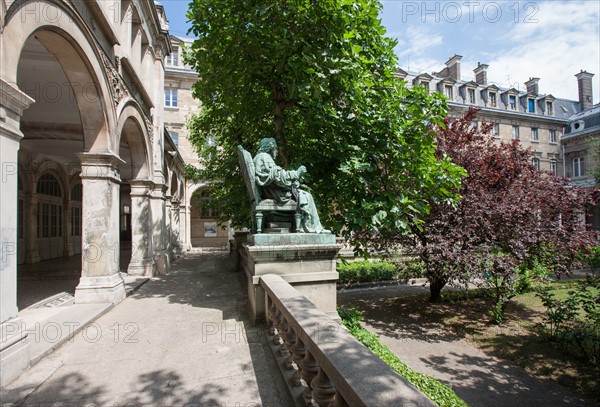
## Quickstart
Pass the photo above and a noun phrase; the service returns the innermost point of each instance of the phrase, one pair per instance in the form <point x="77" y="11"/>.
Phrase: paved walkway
<point x="480" y="380"/>
<point x="182" y="339"/>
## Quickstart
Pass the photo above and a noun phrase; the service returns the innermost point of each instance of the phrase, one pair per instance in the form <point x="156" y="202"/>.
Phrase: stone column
<point x="15" y="353"/>
<point x="175" y="239"/>
<point x="183" y="227"/>
<point x="100" y="279"/>
<point x="142" y="259"/>
<point x="188" y="226"/>
<point x="168" y="227"/>
<point x="157" y="201"/>
<point x="32" y="253"/>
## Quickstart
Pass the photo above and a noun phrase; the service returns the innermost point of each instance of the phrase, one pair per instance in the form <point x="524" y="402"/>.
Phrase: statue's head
<point x="268" y="145"/>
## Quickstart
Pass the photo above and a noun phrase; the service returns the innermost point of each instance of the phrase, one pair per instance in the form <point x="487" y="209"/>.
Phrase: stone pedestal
<point x="142" y="261"/>
<point x="305" y="260"/>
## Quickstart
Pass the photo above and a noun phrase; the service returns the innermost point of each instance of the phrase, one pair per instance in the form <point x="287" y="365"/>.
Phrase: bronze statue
<point x="284" y="185"/>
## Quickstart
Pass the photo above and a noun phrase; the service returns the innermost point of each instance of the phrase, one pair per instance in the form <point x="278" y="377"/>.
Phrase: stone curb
<point x="377" y="284"/>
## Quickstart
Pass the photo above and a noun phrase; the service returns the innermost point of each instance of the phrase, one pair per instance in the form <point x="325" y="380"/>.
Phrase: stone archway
<point x="136" y="216"/>
<point x="59" y="71"/>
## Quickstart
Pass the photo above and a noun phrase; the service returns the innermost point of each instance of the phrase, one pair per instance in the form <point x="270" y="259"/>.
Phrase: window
<point x="50" y="221"/>
<point x="472" y="96"/>
<point x="534" y="134"/>
<point x="549" y="109"/>
<point x="205" y="204"/>
<point x="553" y="168"/>
<point x="515" y="133"/>
<point x="496" y="130"/>
<point x="536" y="163"/>
<point x="48" y="185"/>
<point x="76" y="197"/>
<point x="531" y="105"/>
<point x="493" y="101"/>
<point x="171" y="97"/>
<point x="448" y="91"/>
<point x="75" y="221"/>
<point x="512" y="102"/>
<point x="474" y="125"/>
<point x="552" y="136"/>
<point x="175" y="137"/>
<point x="578" y="167"/>
<point x="425" y="84"/>
<point x="173" y="59"/>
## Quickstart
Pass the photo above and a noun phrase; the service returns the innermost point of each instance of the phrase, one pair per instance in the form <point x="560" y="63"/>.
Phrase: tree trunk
<point x="435" y="289"/>
<point x="280" y="105"/>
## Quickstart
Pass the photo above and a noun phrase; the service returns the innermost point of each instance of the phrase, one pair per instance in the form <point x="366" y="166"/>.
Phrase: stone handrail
<point x="322" y="363"/>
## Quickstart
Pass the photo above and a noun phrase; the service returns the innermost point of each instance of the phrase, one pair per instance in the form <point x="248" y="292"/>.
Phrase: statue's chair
<point x="264" y="208"/>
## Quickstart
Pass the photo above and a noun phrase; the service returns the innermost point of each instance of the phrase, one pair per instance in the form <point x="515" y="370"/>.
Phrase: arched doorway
<point x="67" y="123"/>
<point x="136" y="220"/>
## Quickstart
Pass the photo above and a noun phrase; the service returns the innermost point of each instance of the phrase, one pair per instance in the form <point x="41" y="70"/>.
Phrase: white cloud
<point x="564" y="40"/>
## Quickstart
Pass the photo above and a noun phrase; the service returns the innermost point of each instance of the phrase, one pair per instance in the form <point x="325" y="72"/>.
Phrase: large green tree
<point x="319" y="77"/>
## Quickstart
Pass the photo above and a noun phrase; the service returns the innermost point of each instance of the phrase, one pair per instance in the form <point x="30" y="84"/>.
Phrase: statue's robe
<point x="280" y="185"/>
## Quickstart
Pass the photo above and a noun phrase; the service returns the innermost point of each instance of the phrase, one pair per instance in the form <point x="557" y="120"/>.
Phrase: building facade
<point x="536" y="119"/>
<point x="88" y="172"/>
<point x="179" y="106"/>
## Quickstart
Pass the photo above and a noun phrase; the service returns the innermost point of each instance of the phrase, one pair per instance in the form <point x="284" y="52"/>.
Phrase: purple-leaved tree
<point x="509" y="212"/>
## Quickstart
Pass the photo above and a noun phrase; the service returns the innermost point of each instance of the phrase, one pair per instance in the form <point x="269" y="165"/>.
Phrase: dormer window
<point x="493" y="99"/>
<point x="549" y="108"/>
<point x="512" y="102"/>
<point x="425" y="84"/>
<point x="472" y="96"/>
<point x="448" y="91"/>
<point x="173" y="58"/>
<point x="531" y="105"/>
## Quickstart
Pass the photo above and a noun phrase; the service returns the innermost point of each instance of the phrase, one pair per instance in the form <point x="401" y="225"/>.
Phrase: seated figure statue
<point x="282" y="185"/>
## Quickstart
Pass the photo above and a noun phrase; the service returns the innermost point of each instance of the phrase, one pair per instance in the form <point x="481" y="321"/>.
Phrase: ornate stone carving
<point x="117" y="85"/>
<point x="150" y="128"/>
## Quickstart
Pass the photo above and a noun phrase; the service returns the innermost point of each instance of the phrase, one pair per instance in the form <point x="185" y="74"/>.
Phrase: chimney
<point x="584" y="83"/>
<point x="453" y="65"/>
<point x="481" y="74"/>
<point x="532" y="86"/>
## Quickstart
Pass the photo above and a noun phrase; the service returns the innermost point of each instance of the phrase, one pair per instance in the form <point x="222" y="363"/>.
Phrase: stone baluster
<point x="289" y="340"/>
<point x="282" y="328"/>
<point x="277" y="318"/>
<point x="298" y="353"/>
<point x="323" y="391"/>
<point x="339" y="401"/>
<point x="309" y="370"/>
<point x="272" y="311"/>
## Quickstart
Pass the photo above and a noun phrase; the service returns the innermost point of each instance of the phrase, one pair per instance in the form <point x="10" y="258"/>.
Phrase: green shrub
<point x="408" y="269"/>
<point x="574" y="322"/>
<point x="441" y="394"/>
<point x="365" y="271"/>
<point x="592" y="258"/>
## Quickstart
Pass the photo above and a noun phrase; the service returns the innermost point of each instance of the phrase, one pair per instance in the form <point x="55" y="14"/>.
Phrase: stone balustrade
<point x="323" y="364"/>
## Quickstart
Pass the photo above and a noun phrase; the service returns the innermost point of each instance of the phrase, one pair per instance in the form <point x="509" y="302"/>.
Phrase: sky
<point x="552" y="40"/>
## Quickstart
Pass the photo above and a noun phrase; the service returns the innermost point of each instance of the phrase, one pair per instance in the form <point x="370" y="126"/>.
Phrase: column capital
<point x="13" y="98"/>
<point x="12" y="104"/>
<point x="141" y="187"/>
<point x="100" y="166"/>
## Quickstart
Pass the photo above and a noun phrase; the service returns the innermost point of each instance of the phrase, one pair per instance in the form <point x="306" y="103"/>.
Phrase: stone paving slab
<point x="179" y="340"/>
